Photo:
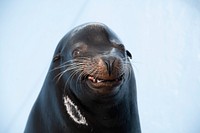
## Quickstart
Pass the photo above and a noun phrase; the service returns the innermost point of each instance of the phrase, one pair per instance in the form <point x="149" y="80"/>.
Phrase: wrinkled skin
<point x="91" y="66"/>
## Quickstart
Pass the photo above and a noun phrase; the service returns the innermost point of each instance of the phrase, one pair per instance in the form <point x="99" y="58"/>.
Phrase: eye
<point x="121" y="46"/>
<point x="56" y="57"/>
<point x="76" y="53"/>
<point x="128" y="54"/>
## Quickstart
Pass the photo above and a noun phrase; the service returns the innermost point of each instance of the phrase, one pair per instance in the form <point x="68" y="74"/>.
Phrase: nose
<point x="109" y="63"/>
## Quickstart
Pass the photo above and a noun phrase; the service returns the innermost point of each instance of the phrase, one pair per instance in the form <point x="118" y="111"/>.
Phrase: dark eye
<point x="128" y="54"/>
<point x="76" y="53"/>
<point x="121" y="46"/>
<point x="56" y="57"/>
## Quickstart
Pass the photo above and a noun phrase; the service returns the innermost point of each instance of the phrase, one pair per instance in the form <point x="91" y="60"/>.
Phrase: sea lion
<point x="90" y="86"/>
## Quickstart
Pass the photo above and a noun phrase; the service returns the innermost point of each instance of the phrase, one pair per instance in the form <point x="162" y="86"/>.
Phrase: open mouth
<point x="104" y="85"/>
<point x="98" y="80"/>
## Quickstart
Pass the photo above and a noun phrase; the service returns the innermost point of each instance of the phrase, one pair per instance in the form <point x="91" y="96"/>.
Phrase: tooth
<point x="98" y="81"/>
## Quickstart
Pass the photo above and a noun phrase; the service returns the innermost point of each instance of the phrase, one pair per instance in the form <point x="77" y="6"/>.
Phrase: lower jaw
<point x="104" y="90"/>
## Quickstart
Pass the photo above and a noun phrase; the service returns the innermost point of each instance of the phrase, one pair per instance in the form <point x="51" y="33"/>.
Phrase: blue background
<point x="163" y="37"/>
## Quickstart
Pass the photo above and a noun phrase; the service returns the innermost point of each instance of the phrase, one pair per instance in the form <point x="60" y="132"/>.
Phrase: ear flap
<point x="128" y="54"/>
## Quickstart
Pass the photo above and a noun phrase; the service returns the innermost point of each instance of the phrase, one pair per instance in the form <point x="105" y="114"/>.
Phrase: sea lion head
<point x="92" y="62"/>
<point x="90" y="86"/>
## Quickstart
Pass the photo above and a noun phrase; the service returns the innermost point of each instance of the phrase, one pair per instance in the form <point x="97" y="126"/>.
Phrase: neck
<point x="110" y="114"/>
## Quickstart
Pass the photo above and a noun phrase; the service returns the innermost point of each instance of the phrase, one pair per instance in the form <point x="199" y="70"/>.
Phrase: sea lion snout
<point x="109" y="63"/>
<point x="107" y="75"/>
<point x="109" y="67"/>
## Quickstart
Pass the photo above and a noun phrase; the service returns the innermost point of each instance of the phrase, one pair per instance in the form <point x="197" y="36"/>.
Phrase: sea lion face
<point x="101" y="66"/>
<point x="94" y="60"/>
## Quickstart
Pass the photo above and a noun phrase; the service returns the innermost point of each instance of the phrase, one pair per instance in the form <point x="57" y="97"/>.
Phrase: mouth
<point x="98" y="80"/>
<point x="104" y="86"/>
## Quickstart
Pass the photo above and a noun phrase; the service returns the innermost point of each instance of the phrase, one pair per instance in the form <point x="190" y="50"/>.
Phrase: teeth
<point x="99" y="81"/>
<point x="92" y="78"/>
<point x="95" y="80"/>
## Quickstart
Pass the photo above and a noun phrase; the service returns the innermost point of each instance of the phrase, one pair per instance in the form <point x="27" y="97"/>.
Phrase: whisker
<point x="79" y="60"/>
<point x="68" y="69"/>
<point x="79" y="78"/>
<point x="127" y="69"/>
<point x="71" y="76"/>
<point x="67" y="65"/>
<point x="74" y="65"/>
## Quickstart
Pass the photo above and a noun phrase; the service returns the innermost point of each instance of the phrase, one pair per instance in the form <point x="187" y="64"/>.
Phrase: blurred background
<point x="162" y="35"/>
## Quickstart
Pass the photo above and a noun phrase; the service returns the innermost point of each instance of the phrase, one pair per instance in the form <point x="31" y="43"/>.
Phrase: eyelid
<point x="76" y="52"/>
<point x="56" y="57"/>
<point x="121" y="46"/>
<point x="79" y="49"/>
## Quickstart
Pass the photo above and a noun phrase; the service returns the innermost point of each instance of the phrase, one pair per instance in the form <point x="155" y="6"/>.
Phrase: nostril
<point x="109" y="64"/>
